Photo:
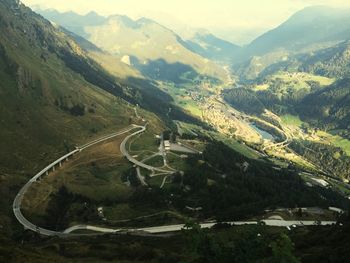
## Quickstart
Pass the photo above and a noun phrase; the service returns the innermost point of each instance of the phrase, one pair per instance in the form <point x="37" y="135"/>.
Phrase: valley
<point x="273" y="135"/>
<point x="123" y="139"/>
<point x="63" y="185"/>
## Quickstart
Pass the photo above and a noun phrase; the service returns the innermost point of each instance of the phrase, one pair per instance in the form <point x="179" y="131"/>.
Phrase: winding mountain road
<point x="179" y="227"/>
<point x="19" y="197"/>
<point x="136" y="231"/>
<point x="132" y="159"/>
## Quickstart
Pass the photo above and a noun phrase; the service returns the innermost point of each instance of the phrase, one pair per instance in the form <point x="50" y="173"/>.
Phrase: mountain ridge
<point x="312" y="24"/>
<point x="308" y="30"/>
<point x="147" y="41"/>
<point x="212" y="47"/>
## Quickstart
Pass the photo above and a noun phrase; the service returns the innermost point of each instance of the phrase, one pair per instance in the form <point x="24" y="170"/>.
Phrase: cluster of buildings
<point x="218" y="119"/>
<point x="195" y="96"/>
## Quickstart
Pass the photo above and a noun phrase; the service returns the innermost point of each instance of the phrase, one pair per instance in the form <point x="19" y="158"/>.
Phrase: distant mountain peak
<point x="92" y="14"/>
<point x="308" y="27"/>
<point x="144" y="39"/>
<point x="145" y="20"/>
<point x="208" y="45"/>
<point x="124" y="20"/>
<point x="202" y="32"/>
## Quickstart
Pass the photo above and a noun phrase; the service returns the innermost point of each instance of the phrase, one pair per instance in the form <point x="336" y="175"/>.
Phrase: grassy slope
<point x="37" y="93"/>
<point x="336" y="140"/>
<point x="52" y="126"/>
<point x="325" y="137"/>
<point x="292" y="120"/>
<point x="149" y="41"/>
<point x="113" y="65"/>
<point x="292" y="82"/>
<point x="235" y="145"/>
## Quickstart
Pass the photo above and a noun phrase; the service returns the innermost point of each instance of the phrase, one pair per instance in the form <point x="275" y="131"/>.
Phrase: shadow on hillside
<point x="162" y="70"/>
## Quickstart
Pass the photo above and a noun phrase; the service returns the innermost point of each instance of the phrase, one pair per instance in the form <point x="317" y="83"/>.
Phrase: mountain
<point x="209" y="46"/>
<point x="332" y="62"/>
<point x="307" y="31"/>
<point x="73" y="25"/>
<point x="114" y="65"/>
<point x="72" y="21"/>
<point x="47" y="79"/>
<point x="153" y="49"/>
<point x="57" y="91"/>
<point x="329" y="107"/>
<point x="54" y="95"/>
<point x="313" y="85"/>
<point x="308" y="27"/>
<point x="255" y="66"/>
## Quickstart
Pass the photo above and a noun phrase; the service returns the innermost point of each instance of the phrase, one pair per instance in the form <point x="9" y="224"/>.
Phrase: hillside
<point x="315" y="99"/>
<point x="153" y="49"/>
<point x="308" y="27"/>
<point x="291" y="69"/>
<point x="39" y="85"/>
<point x="330" y="62"/>
<point x="52" y="97"/>
<point x="67" y="82"/>
<point x="303" y="34"/>
<point x="329" y="107"/>
<point x="303" y="85"/>
<point x="119" y="68"/>
<point x="72" y="21"/>
<point x="50" y="80"/>
<point x="279" y="92"/>
<point x="209" y="46"/>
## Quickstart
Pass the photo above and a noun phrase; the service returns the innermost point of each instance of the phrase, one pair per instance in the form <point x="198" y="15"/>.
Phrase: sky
<point x="235" y="20"/>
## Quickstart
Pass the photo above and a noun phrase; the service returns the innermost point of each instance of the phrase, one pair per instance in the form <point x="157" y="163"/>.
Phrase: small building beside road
<point x="167" y="145"/>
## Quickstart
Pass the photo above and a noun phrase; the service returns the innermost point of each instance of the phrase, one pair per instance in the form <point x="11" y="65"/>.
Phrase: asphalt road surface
<point x="19" y="197"/>
<point x="132" y="159"/>
<point x="151" y="230"/>
<point x="179" y="227"/>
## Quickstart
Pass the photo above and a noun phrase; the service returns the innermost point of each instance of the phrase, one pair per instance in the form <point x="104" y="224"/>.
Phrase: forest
<point x="333" y="160"/>
<point x="327" y="108"/>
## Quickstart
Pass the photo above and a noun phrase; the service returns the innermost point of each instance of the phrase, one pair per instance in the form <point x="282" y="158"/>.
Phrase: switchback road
<point x="19" y="197"/>
<point x="150" y="230"/>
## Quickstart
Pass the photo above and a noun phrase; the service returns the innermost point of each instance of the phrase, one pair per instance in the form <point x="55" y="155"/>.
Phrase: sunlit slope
<point x="154" y="49"/>
<point x="146" y="40"/>
<point x="311" y="27"/>
<point x="46" y="107"/>
<point x="212" y="47"/>
<point x="303" y="36"/>
<point x="114" y="65"/>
